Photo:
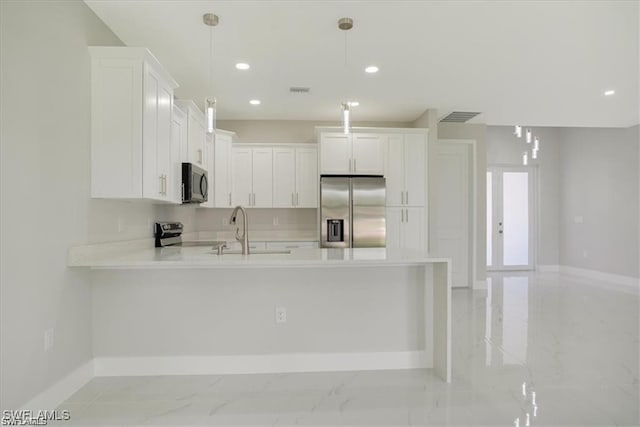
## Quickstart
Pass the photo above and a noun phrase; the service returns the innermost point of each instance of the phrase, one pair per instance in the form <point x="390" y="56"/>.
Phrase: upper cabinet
<point x="405" y="169"/>
<point x="178" y="141"/>
<point x="222" y="168"/>
<point x="353" y="154"/>
<point x="252" y="170"/>
<point x="194" y="152"/>
<point x="131" y="125"/>
<point x="295" y="177"/>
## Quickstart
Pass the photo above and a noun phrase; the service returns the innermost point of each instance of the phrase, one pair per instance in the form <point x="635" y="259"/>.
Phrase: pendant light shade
<point x="518" y="131"/>
<point x="210" y="111"/>
<point x="210" y="20"/>
<point x="346" y="110"/>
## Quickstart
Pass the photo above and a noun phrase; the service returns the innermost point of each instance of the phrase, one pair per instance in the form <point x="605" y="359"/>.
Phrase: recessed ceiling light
<point x="353" y="103"/>
<point x="609" y="92"/>
<point x="254" y="102"/>
<point x="242" y="66"/>
<point x="371" y="69"/>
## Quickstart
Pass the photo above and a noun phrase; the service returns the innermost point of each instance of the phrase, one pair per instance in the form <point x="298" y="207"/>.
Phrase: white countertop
<point x="206" y="257"/>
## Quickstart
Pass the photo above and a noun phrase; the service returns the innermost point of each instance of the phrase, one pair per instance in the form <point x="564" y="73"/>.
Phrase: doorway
<point x="510" y="218"/>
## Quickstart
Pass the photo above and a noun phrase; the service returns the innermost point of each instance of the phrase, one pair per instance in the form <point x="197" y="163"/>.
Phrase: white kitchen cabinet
<point x="405" y="169"/>
<point x="405" y="228"/>
<point x="355" y="153"/>
<point x="252" y="176"/>
<point x="194" y="152"/>
<point x="222" y="168"/>
<point x="178" y="140"/>
<point x="295" y="177"/>
<point x="131" y="122"/>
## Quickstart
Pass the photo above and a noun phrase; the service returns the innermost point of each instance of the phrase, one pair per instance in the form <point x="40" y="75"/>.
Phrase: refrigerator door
<point x="368" y="212"/>
<point x="335" y="212"/>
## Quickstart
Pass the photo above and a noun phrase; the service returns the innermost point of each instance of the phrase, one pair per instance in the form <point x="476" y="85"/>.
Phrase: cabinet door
<point x="415" y="167"/>
<point x="262" y="177"/>
<point x="284" y="177"/>
<point x="222" y="171"/>
<point x="413" y="235"/>
<point x="178" y="139"/>
<point x="242" y="172"/>
<point x="368" y="153"/>
<point x="394" y="170"/>
<point x="152" y="180"/>
<point x="197" y="134"/>
<point x="307" y="182"/>
<point x="394" y="223"/>
<point x="335" y="153"/>
<point x="208" y="165"/>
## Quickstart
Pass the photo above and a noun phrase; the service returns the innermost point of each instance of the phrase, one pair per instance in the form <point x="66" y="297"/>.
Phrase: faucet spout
<point x="244" y="238"/>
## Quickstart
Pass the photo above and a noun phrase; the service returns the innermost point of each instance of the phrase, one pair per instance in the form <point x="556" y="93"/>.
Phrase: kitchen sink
<point x="259" y="252"/>
<point x="196" y="243"/>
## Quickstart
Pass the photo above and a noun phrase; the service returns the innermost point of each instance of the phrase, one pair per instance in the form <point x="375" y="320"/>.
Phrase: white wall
<point x="45" y="131"/>
<point x="226" y="312"/>
<point x="503" y="148"/>
<point x="599" y="182"/>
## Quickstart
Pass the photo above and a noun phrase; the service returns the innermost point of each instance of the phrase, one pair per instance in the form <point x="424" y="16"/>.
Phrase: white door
<point x="241" y="193"/>
<point x="284" y="175"/>
<point x="413" y="234"/>
<point x="335" y="153"/>
<point x="307" y="178"/>
<point x="262" y="178"/>
<point x="510" y="222"/>
<point x="415" y="168"/>
<point x="450" y="213"/>
<point x="221" y="170"/>
<point x="367" y="155"/>
<point x="394" y="170"/>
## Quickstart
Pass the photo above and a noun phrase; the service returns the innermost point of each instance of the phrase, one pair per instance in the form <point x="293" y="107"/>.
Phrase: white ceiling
<point x="538" y="63"/>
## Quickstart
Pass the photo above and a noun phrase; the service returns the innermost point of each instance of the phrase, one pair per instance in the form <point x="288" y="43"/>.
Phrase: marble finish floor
<point x="531" y="350"/>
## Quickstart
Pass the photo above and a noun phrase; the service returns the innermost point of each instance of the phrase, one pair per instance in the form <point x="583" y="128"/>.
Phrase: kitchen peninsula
<point x="349" y="309"/>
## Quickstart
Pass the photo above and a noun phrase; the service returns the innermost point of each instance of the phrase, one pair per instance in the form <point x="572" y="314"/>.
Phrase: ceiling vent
<point x="458" y="117"/>
<point x="299" y="89"/>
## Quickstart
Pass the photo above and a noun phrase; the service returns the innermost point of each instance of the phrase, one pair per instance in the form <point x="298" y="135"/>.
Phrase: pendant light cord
<point x="211" y="60"/>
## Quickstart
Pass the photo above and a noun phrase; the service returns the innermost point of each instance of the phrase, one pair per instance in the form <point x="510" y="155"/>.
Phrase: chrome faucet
<point x="244" y="239"/>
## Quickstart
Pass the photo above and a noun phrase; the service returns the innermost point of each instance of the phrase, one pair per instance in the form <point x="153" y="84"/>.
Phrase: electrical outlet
<point x="281" y="315"/>
<point x="48" y="339"/>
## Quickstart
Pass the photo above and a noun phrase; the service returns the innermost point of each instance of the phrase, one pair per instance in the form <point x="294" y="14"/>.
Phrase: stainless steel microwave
<point x="195" y="186"/>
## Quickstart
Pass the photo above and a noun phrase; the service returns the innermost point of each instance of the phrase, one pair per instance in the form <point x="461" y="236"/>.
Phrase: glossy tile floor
<point x="531" y="350"/>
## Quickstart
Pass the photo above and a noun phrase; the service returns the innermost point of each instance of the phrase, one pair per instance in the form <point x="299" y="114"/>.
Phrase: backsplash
<point x="259" y="219"/>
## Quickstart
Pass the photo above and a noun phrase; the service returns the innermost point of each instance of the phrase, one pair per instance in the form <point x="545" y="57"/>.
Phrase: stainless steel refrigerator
<point x="352" y="212"/>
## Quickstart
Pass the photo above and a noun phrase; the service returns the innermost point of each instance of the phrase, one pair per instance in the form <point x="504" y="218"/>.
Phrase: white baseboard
<point x="627" y="281"/>
<point x="548" y="268"/>
<point x="254" y="364"/>
<point x="53" y="396"/>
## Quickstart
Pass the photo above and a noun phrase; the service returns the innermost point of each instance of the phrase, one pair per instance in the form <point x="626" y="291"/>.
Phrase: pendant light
<point x="529" y="138"/>
<point x="345" y="24"/>
<point x="211" y="21"/>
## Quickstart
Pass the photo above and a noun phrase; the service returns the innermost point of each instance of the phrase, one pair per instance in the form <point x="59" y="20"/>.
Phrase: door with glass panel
<point x="510" y="220"/>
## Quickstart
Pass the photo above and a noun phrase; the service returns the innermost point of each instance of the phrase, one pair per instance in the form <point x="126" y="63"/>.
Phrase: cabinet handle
<point x="164" y="184"/>
<point x="402" y="197"/>
<point x="407" y="196"/>
<point x="254" y="199"/>
<point x="161" y="185"/>
<point x="402" y="215"/>
<point x="229" y="199"/>
<point x="354" y="166"/>
<point x="297" y="200"/>
<point x="293" y="203"/>
<point x="249" y="199"/>
<point x="200" y="156"/>
<point x="407" y="214"/>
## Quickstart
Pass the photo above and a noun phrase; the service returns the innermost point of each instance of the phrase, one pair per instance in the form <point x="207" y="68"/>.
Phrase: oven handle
<point x="204" y="186"/>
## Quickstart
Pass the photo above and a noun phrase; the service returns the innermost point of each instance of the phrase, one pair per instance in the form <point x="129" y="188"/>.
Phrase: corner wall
<point x="599" y="200"/>
<point x="45" y="147"/>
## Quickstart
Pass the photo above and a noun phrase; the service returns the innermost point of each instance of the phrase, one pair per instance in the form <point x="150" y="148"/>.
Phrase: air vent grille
<point x="458" y="117"/>
<point x="299" y="89"/>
